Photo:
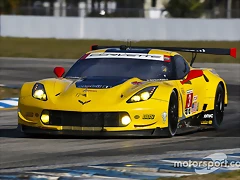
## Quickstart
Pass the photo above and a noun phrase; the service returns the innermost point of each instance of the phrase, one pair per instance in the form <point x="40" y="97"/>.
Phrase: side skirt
<point x="199" y="121"/>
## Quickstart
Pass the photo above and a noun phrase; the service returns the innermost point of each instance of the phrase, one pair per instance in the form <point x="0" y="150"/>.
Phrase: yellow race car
<point x="121" y="90"/>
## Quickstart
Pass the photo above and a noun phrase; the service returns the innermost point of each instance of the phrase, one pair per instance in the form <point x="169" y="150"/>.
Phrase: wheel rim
<point x="219" y="109"/>
<point x="173" y="120"/>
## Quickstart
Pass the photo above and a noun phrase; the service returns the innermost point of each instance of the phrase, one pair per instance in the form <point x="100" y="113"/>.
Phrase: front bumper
<point x="132" y="133"/>
<point x="145" y="118"/>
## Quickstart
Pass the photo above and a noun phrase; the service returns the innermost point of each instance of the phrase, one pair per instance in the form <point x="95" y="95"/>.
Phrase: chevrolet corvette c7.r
<point x="147" y="91"/>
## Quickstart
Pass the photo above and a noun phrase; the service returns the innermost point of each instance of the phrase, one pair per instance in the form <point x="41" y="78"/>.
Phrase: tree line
<point x="135" y="8"/>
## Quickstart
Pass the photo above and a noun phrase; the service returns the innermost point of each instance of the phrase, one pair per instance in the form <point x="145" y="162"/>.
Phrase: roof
<point x="160" y="52"/>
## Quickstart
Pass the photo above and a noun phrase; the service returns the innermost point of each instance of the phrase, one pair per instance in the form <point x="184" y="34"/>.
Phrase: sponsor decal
<point x="189" y="98"/>
<point x="208" y="116"/>
<point x="195" y="98"/>
<point x="136" y="116"/>
<point x="148" y="116"/>
<point x="94" y="86"/>
<point x="188" y="111"/>
<point x="193" y="50"/>
<point x="127" y="55"/>
<point x="195" y="107"/>
<point x="206" y="122"/>
<point x="99" y="82"/>
<point x="153" y="80"/>
<point x="189" y="101"/>
<point x="164" y="117"/>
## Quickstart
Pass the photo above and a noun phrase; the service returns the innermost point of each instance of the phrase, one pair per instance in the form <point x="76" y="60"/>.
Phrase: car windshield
<point x="121" y="67"/>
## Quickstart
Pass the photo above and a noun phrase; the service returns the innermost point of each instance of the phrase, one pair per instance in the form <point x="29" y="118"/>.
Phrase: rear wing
<point x="216" y="51"/>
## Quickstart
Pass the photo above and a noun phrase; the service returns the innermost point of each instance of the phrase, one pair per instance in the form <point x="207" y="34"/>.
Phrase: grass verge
<point x="73" y="49"/>
<point x="233" y="175"/>
<point x="6" y="92"/>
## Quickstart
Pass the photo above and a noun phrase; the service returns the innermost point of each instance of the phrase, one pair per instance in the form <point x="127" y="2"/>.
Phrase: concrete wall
<point x="120" y="28"/>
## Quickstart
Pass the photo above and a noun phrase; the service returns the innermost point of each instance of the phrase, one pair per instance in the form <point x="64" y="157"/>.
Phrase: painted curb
<point x="8" y="103"/>
<point x="143" y="169"/>
<point x="11" y="86"/>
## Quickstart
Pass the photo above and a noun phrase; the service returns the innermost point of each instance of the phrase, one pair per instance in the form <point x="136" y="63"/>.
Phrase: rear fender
<point x="213" y="80"/>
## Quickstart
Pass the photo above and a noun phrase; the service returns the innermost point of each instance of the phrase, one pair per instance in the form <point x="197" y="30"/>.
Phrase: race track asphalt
<point x="18" y="152"/>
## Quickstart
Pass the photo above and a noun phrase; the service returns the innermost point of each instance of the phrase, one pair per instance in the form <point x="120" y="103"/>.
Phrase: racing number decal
<point x="189" y="101"/>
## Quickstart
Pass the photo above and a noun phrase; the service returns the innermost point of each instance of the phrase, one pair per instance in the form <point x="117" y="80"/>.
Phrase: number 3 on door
<point x="189" y="99"/>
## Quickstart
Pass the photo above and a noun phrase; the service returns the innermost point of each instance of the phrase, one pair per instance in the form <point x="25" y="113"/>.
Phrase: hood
<point x="100" y="90"/>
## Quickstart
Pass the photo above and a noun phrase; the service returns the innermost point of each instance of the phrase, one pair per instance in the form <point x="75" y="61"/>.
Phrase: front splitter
<point x="146" y="132"/>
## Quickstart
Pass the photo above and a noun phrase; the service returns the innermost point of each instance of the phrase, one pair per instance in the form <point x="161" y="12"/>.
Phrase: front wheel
<point x="173" y="115"/>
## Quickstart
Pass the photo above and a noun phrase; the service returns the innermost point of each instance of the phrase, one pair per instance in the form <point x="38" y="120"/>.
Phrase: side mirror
<point x="59" y="71"/>
<point x="195" y="73"/>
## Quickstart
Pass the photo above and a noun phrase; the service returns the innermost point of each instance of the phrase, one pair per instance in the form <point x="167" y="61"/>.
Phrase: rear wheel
<point x="218" y="107"/>
<point x="173" y="115"/>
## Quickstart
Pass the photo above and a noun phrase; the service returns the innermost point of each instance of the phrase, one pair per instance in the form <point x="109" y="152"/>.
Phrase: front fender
<point x="51" y="85"/>
<point x="164" y="92"/>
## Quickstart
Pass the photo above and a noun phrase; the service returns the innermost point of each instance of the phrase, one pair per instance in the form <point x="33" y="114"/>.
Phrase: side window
<point x="182" y="68"/>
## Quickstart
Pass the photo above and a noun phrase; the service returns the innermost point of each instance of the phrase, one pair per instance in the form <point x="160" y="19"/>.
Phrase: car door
<point x="192" y="92"/>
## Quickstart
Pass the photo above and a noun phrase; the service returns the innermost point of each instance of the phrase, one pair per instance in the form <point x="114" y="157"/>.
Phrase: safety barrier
<point x="120" y="28"/>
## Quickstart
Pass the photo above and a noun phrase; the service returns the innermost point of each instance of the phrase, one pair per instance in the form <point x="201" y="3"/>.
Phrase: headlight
<point x="39" y="92"/>
<point x="143" y="95"/>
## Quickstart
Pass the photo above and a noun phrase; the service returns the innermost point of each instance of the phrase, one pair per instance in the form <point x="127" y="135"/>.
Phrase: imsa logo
<point x="148" y="116"/>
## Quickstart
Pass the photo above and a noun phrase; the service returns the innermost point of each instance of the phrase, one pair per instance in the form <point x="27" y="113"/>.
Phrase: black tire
<point x="218" y="112"/>
<point x="173" y="115"/>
